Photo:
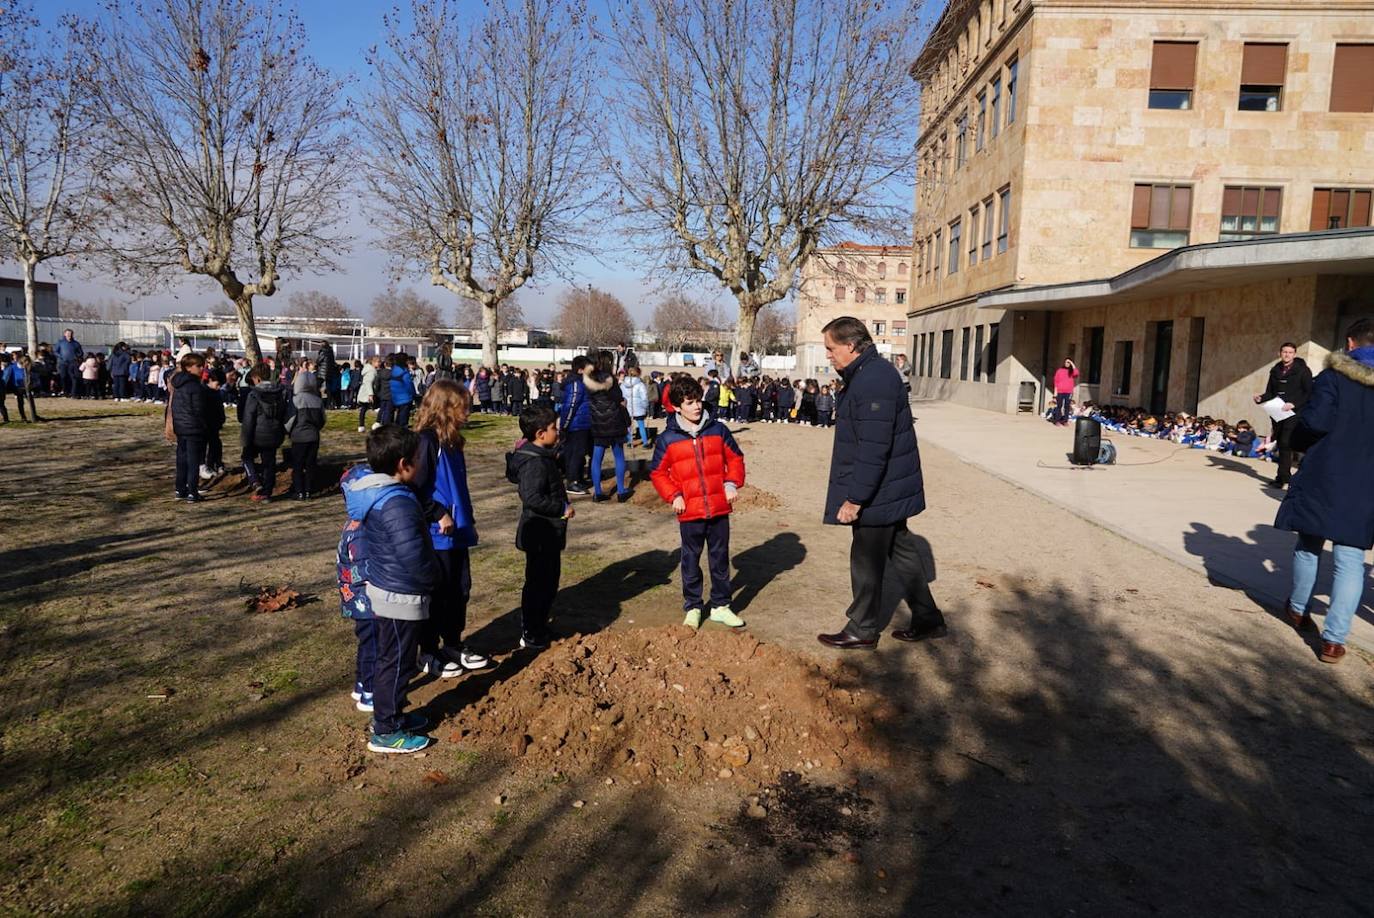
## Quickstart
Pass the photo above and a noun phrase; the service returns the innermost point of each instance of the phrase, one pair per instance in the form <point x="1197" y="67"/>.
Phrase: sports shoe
<point x="362" y="430"/>
<point x="357" y="692"/>
<point x="398" y="742"/>
<point x="433" y="665"/>
<point x="576" y="490"/>
<point x="693" y="619"/>
<point x="727" y="617"/>
<point x="259" y="497"/>
<point x="411" y="722"/>
<point x="206" y="473"/>
<point x="193" y="498"/>
<point x="376" y="424"/>
<point x="465" y="658"/>
<point x="529" y="642"/>
<point x="363" y="702"/>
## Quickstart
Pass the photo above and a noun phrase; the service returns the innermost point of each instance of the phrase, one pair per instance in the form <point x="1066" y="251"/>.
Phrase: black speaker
<point x="1087" y="441"/>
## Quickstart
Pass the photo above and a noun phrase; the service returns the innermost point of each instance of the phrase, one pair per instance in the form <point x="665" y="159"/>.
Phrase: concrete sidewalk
<point x="1204" y="510"/>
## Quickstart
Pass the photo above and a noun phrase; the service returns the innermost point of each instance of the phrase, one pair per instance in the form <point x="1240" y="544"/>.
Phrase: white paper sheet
<point x="1274" y="408"/>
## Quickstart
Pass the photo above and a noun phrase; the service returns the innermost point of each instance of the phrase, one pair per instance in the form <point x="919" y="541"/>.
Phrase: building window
<point x="1095" y="338"/>
<point x="996" y="104"/>
<point x="899" y="329"/>
<point x="1262" y="73"/>
<point x="1173" y="70"/>
<point x="879" y="327"/>
<point x="942" y="157"/>
<point x="946" y="352"/>
<point x="981" y="136"/>
<point x="920" y="261"/>
<point x="1352" y="79"/>
<point x="978" y="353"/>
<point x="1012" y="66"/>
<point x="964" y="361"/>
<point x="839" y="293"/>
<point x="901" y="269"/>
<point x="882" y="269"/>
<point x="954" y="229"/>
<point x="939" y="250"/>
<point x="988" y="216"/>
<point x="973" y="236"/>
<point x="961" y="140"/>
<point x="1340" y="208"/>
<point x="1004" y="219"/>
<point x="859" y="294"/>
<point x="901" y="297"/>
<point x="880" y="295"/>
<point x="1247" y="212"/>
<point x="1125" y="353"/>
<point x="990" y="364"/>
<point x="1161" y="216"/>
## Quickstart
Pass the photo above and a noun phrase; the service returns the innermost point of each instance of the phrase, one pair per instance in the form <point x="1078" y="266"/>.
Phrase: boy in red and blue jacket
<point x="699" y="468"/>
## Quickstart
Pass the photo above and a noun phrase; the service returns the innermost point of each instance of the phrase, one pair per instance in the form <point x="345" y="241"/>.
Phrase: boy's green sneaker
<point x="693" y="619"/>
<point x="726" y="616"/>
<point x="401" y="741"/>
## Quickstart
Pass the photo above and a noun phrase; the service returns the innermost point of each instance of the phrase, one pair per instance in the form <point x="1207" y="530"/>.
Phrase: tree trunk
<point x="30" y="310"/>
<point x="489" y="332"/>
<point x="744" y="331"/>
<point x="248" y="332"/>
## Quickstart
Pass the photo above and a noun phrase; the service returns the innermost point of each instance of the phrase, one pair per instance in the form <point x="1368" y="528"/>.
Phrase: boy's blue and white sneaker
<point x="364" y="702"/>
<point x="726" y="616"/>
<point x="357" y="693"/>
<point x="399" y="742"/>
<point x="439" y="667"/>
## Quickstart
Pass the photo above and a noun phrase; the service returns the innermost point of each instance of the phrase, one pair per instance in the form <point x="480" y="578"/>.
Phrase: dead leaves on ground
<point x="274" y="599"/>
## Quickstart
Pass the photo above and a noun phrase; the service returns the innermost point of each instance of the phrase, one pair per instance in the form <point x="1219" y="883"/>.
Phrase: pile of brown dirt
<point x="670" y="703"/>
<point x="750" y="498"/>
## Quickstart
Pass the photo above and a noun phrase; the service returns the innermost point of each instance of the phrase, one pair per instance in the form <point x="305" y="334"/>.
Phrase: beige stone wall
<point x="873" y="268"/>
<point x="1091" y="136"/>
<point x="1019" y="347"/>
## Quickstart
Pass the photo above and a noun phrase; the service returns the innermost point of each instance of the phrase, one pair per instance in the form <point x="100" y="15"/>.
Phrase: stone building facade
<point x="1163" y="191"/>
<point x="869" y="282"/>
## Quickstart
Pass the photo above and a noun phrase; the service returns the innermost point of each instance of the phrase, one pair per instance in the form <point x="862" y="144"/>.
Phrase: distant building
<point x="868" y="282"/>
<point x="1163" y="191"/>
<point x="12" y="297"/>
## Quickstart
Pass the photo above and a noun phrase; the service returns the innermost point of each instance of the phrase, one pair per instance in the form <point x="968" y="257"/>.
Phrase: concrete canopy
<point x="1211" y="266"/>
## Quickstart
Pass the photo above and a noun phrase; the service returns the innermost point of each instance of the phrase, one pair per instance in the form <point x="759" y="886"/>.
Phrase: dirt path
<point x="1102" y="732"/>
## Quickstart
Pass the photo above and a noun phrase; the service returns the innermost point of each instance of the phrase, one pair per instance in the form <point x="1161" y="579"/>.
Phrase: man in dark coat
<point x="69" y="356"/>
<point x="1332" y="497"/>
<point x="1290" y="380"/>
<point x="875" y="486"/>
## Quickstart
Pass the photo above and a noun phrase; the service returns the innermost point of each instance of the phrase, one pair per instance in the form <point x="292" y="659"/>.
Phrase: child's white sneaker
<point x="726" y="616"/>
<point x="362" y="430"/>
<point x="432" y="665"/>
<point x="693" y="619"/>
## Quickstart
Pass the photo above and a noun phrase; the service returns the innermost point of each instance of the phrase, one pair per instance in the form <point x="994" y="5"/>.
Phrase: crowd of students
<point x="403" y="559"/>
<point x="1215" y="434"/>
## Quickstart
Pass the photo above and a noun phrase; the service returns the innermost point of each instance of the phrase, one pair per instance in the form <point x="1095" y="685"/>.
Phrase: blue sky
<point x="340" y="33"/>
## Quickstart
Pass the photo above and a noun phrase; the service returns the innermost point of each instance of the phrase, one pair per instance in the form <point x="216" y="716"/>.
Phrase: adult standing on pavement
<point x="875" y="486"/>
<point x="1291" y="380"/>
<point x="1332" y="498"/>
<point x="69" y="356"/>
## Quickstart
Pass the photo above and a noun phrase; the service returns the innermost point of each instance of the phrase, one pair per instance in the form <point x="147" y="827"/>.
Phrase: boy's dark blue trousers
<point x="396" y="666"/>
<point x="714" y="536"/>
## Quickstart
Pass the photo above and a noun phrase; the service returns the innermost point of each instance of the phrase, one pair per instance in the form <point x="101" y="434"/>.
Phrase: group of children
<point x="403" y="564"/>
<point x="1207" y="433"/>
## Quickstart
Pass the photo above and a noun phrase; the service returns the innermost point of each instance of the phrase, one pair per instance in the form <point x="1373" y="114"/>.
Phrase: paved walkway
<point x="1204" y="510"/>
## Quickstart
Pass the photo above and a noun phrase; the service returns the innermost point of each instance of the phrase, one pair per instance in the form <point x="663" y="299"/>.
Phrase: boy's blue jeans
<point x="1347" y="583"/>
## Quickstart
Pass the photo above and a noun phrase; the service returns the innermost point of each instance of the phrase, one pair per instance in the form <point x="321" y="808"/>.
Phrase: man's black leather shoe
<point x="843" y="640"/>
<point x="921" y="632"/>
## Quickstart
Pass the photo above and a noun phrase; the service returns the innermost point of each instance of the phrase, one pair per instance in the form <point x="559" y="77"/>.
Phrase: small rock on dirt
<point x="757" y="812"/>
<point x="579" y="804"/>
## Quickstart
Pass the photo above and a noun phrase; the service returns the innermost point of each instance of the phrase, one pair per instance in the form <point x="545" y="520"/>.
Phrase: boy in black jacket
<point x="189" y="421"/>
<point x="262" y="430"/>
<point x="542" y="532"/>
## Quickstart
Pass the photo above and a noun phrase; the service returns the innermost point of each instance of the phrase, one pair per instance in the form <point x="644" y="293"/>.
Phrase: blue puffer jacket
<point x="400" y="557"/>
<point x="119" y="363"/>
<point x="1332" y="495"/>
<point x="577" y="407"/>
<point x="402" y="386"/>
<point x="875" y="462"/>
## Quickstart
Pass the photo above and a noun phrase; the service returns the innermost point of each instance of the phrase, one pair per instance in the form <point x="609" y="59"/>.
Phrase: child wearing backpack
<point x="699" y="468"/>
<point x="401" y="573"/>
<point x="262" y="430"/>
<point x="542" y="532"/>
<point x="351" y="574"/>
<point x="304" y="420"/>
<point x="441" y="482"/>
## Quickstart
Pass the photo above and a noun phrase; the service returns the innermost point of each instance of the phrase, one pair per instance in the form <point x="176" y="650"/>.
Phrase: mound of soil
<point x="750" y="498"/>
<point x="670" y="703"/>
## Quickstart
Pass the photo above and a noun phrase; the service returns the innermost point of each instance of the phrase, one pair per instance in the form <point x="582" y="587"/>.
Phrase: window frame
<point x="946" y="353"/>
<point x="1261" y="196"/>
<point x="1357" y="99"/>
<point x="965" y="345"/>
<point x="978" y="345"/>
<point x="1013" y="67"/>
<point x="995" y="94"/>
<point x="1004" y="219"/>
<point x="980" y="136"/>
<point x="1160" y="234"/>
<point x="961" y="140"/>
<point x="955" y="230"/>
<point x="1259" y="89"/>
<point x="989" y="218"/>
<point x="1158" y="92"/>
<point x="1353" y="195"/>
<point x="839" y="293"/>
<point x="973" y="236"/>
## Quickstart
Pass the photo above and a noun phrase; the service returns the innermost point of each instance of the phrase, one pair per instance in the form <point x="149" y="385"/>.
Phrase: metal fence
<point x="94" y="334"/>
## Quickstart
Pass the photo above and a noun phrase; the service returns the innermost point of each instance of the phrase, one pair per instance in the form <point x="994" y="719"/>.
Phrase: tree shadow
<point x="756" y="567"/>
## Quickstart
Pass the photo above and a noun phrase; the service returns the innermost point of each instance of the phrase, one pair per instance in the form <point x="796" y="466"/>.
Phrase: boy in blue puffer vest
<point x="401" y="572"/>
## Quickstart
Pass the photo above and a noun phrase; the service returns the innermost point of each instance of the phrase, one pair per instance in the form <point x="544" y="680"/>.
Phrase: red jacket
<point x="697" y="468"/>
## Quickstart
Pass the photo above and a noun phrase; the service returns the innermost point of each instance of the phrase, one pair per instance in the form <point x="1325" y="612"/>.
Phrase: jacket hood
<point x="595" y="384"/>
<point x="303" y="381"/>
<point x="1349" y="367"/>
<point x="362" y="488"/>
<point x="181" y="378"/>
<point x="530" y="452"/>
<point x="270" y="387"/>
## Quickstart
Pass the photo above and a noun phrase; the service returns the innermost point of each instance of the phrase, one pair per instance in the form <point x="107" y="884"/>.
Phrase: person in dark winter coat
<point x="575" y="428"/>
<point x="1290" y="380"/>
<point x="305" y="418"/>
<point x="786" y="401"/>
<point x="188" y="417"/>
<point x="262" y="430"/>
<point x="875" y="486"/>
<point x="542" y="532"/>
<point x="327" y="373"/>
<point x="119" y="371"/>
<point x="610" y="423"/>
<point x="69" y="354"/>
<point x="399" y="395"/>
<point x="1332" y="495"/>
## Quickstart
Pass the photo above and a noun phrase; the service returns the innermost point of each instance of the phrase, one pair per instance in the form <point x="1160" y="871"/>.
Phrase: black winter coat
<point x="191" y="405"/>
<point x="875" y="462"/>
<point x="1332" y="494"/>
<point x="1294" y="387"/>
<point x="543" y="499"/>
<point x="610" y="420"/>
<point x="264" y="416"/>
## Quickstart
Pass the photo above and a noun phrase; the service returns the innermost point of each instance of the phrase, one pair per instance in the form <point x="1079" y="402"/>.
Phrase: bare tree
<point x="480" y="144"/>
<point x="510" y="316"/>
<point x="230" y="157"/>
<point x="775" y="329"/>
<point x="678" y="319"/>
<point x="69" y="307"/>
<point x="751" y="132"/>
<point x="592" y="318"/>
<point x="47" y="207"/>
<point x="405" y="312"/>
<point x="315" y="304"/>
